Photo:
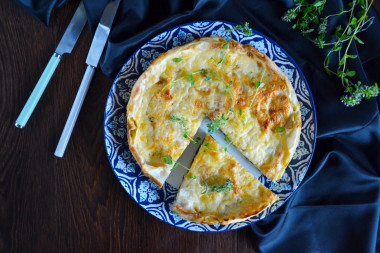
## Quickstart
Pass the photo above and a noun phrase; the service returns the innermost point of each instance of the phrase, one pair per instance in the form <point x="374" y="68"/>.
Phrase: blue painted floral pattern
<point x="201" y="24"/>
<point x="221" y="32"/>
<point x="148" y="190"/>
<point x="259" y="45"/>
<point x="300" y="151"/>
<point x="304" y="111"/>
<point x="118" y="125"/>
<point x="182" y="38"/>
<point x="130" y="83"/>
<point x="176" y="218"/>
<point x="279" y="51"/>
<point x="288" y="72"/>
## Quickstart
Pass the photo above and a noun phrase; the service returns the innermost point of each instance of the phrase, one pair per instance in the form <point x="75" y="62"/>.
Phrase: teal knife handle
<point x="74" y="112"/>
<point x="37" y="91"/>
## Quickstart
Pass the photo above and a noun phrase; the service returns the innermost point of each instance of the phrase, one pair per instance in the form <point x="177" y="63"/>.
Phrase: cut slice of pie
<point x="217" y="189"/>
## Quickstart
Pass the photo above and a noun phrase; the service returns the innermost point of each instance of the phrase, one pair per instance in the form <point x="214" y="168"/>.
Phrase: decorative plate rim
<point x="255" y="32"/>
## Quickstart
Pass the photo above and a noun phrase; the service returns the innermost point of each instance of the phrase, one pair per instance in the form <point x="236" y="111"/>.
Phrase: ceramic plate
<point x="158" y="201"/>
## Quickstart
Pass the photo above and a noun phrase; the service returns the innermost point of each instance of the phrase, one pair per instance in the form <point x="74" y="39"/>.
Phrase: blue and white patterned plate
<point x="158" y="201"/>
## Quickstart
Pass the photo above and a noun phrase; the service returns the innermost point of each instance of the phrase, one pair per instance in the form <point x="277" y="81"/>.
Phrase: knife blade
<point x="176" y="177"/>
<point x="96" y="49"/>
<point x="66" y="45"/>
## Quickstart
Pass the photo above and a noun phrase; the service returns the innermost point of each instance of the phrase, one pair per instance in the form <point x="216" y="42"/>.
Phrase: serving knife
<point x="176" y="177"/>
<point x="65" y="46"/>
<point x="93" y="57"/>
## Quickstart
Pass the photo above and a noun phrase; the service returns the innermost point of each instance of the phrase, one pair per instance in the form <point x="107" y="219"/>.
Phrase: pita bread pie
<point x="239" y="88"/>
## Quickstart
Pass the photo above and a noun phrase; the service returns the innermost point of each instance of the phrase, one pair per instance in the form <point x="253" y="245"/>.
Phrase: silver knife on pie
<point x="186" y="159"/>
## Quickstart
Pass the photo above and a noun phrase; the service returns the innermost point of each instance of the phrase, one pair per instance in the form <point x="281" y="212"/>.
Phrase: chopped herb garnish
<point x="191" y="79"/>
<point x="280" y="129"/>
<point x="177" y="59"/>
<point x="225" y="46"/>
<point x="175" y="166"/>
<point x="259" y="84"/>
<point x="179" y="164"/>
<point x="206" y="147"/>
<point x="183" y="122"/>
<point x="215" y="124"/>
<point x="241" y="115"/>
<point x="227" y="88"/>
<point x="167" y="159"/>
<point x="189" y="176"/>
<point x="229" y="143"/>
<point x="227" y="187"/>
<point x="222" y="57"/>
<point x="174" y="118"/>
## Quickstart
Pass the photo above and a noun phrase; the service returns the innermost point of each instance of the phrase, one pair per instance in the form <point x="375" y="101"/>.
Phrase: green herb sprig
<point x="190" y="78"/>
<point x="215" y="124"/>
<point x="169" y="160"/>
<point x="307" y="18"/>
<point x="227" y="187"/>
<point x="228" y="143"/>
<point x="244" y="28"/>
<point x="183" y="122"/>
<point x="242" y="117"/>
<point x="260" y="84"/>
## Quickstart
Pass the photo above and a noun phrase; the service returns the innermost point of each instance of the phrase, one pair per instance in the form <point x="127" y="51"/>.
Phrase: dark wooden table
<point x="75" y="203"/>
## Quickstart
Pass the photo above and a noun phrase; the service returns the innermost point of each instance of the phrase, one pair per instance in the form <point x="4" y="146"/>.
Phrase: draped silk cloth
<point x="337" y="207"/>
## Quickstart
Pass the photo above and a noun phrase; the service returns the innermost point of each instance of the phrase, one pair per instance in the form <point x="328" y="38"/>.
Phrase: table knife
<point x="66" y="45"/>
<point x="176" y="177"/>
<point x="93" y="57"/>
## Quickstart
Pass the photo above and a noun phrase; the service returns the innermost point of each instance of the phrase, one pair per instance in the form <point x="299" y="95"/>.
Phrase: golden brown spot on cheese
<point x="278" y="110"/>
<point x="236" y="45"/>
<point x="241" y="100"/>
<point x="204" y="93"/>
<point x="166" y="95"/>
<point x="215" y="45"/>
<point x="198" y="103"/>
<point x="162" y="82"/>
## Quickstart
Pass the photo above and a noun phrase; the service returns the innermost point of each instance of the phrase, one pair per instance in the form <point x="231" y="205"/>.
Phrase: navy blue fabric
<point x="337" y="207"/>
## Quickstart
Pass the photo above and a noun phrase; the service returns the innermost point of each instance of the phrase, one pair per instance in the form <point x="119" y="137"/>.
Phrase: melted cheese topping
<point x="212" y="76"/>
<point x="214" y="166"/>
